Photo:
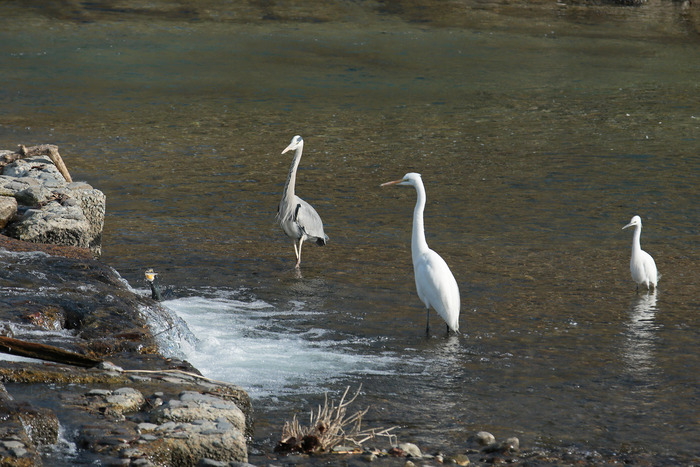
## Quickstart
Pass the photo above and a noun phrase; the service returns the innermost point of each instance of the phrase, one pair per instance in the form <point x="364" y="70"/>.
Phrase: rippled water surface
<point x="539" y="133"/>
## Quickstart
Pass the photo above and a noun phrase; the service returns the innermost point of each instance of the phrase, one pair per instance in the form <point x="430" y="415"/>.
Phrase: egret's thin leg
<point x="427" y="321"/>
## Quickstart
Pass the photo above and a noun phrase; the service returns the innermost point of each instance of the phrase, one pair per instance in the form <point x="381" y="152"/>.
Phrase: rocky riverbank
<point x="104" y="384"/>
<point x="133" y="407"/>
<point x="40" y="203"/>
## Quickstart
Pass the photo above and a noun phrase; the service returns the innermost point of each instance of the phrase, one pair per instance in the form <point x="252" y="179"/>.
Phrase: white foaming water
<point x="268" y="351"/>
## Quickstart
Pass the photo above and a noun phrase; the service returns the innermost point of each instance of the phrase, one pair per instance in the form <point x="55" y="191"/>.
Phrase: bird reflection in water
<point x="638" y="350"/>
<point x="449" y="351"/>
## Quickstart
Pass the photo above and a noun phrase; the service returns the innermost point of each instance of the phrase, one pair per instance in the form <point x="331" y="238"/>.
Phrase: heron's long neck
<point x="418" y="243"/>
<point x="292" y="177"/>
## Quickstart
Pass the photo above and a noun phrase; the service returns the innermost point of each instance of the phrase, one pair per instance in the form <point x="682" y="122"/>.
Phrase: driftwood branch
<point x="44" y="352"/>
<point x="50" y="150"/>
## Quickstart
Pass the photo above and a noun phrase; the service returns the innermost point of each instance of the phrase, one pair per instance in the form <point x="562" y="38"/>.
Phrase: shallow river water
<point x="539" y="130"/>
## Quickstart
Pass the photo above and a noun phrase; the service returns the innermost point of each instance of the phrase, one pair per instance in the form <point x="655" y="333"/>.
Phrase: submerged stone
<point x="483" y="438"/>
<point x="411" y="450"/>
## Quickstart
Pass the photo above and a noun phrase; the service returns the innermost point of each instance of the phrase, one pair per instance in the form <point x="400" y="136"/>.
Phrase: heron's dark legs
<point x="427" y="321"/>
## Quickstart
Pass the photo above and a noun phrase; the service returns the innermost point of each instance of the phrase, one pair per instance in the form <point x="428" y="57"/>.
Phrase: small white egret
<point x="435" y="284"/>
<point x="298" y="219"/>
<point x="642" y="265"/>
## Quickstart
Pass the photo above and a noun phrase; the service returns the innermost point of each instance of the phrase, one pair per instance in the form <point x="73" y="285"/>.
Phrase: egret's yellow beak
<point x="394" y="182"/>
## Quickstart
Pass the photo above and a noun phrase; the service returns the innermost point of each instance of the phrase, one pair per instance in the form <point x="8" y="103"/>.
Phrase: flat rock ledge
<point x="123" y="402"/>
<point x="38" y="205"/>
<point x="165" y="417"/>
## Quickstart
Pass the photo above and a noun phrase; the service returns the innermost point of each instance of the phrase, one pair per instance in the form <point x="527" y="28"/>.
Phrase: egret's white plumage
<point x="435" y="284"/>
<point x="642" y="265"/>
<point x="298" y="219"/>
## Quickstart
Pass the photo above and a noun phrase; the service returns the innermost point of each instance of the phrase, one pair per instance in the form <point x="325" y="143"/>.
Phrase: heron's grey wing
<point x="309" y="220"/>
<point x="286" y="218"/>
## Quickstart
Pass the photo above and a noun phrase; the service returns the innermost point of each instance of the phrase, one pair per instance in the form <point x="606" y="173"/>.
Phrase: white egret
<point x="642" y="265"/>
<point x="435" y="284"/>
<point x="298" y="219"/>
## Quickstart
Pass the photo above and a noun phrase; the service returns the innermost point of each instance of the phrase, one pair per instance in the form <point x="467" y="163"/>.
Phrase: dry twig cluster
<point x="329" y="427"/>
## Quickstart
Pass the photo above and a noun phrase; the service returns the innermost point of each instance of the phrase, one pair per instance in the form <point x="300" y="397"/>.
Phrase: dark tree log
<point x="44" y="352"/>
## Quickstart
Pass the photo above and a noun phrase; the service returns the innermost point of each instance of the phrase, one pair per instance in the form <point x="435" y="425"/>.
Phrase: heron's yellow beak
<point x="150" y="275"/>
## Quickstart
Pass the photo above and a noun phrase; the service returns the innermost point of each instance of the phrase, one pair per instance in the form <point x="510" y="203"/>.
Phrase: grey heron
<point x="298" y="219"/>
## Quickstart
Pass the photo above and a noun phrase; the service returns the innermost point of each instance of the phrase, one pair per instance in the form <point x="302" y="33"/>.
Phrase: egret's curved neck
<point x="418" y="243"/>
<point x="636" y="246"/>
<point x="292" y="177"/>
